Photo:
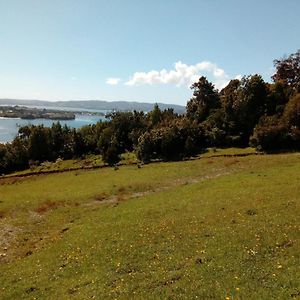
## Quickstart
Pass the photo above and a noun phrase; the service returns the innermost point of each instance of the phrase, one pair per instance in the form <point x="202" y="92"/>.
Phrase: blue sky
<point x="135" y="50"/>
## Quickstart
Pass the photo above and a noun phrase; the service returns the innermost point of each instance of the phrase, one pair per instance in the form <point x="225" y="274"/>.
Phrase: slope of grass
<point x="228" y="151"/>
<point x="94" y="161"/>
<point x="85" y="162"/>
<point x="214" y="228"/>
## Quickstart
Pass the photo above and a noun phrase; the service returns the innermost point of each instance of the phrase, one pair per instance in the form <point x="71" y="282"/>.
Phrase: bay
<point x="9" y="126"/>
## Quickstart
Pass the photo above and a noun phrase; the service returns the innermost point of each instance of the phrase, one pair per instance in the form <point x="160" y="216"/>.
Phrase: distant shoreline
<point x="27" y="113"/>
<point x="94" y="105"/>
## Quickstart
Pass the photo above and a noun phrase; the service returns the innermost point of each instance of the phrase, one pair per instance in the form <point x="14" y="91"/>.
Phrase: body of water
<point x="9" y="126"/>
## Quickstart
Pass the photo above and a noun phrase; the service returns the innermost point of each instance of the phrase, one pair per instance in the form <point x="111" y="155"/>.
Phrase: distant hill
<point x="94" y="104"/>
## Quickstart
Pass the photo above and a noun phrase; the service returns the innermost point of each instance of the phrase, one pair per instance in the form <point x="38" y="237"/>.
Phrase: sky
<point x="136" y="50"/>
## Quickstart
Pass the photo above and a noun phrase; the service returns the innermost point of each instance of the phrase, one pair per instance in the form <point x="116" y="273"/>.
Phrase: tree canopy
<point x="246" y="112"/>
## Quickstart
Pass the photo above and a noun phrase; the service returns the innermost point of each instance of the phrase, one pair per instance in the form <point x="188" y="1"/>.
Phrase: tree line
<point x="248" y="111"/>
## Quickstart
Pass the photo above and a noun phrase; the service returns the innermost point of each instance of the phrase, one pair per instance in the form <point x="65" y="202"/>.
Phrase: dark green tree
<point x="112" y="154"/>
<point x="155" y="115"/>
<point x="144" y="150"/>
<point x="291" y="114"/>
<point x="229" y="97"/>
<point x="288" y="71"/>
<point x="39" y="147"/>
<point x="277" y="98"/>
<point x="58" y="140"/>
<point x="205" y="99"/>
<point x="250" y="104"/>
<point x="79" y="147"/>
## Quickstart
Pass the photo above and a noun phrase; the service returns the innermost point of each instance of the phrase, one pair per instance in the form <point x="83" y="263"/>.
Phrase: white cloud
<point x="182" y="74"/>
<point x="112" y="81"/>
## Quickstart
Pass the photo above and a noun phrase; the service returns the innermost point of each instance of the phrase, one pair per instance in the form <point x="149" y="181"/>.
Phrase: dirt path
<point x="119" y="197"/>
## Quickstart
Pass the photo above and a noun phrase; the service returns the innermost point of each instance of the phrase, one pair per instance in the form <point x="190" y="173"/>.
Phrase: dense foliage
<point x="246" y="112"/>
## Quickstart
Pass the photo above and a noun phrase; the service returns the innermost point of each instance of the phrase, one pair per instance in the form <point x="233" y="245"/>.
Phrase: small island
<point x="28" y="113"/>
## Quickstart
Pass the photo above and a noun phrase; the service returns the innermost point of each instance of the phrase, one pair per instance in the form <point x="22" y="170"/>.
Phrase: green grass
<point x="228" y="151"/>
<point x="88" y="161"/>
<point x="127" y="158"/>
<point x="209" y="229"/>
<point x="59" y="165"/>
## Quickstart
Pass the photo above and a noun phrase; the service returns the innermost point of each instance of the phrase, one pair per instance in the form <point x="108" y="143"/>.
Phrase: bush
<point x="111" y="155"/>
<point x="270" y="134"/>
<point x="174" y="142"/>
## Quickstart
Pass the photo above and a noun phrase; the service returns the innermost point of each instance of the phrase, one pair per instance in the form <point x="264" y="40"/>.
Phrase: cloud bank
<point x="182" y="74"/>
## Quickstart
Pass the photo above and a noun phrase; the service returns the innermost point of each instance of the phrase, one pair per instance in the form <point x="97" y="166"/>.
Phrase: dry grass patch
<point x="47" y="205"/>
<point x="231" y="162"/>
<point x="100" y="197"/>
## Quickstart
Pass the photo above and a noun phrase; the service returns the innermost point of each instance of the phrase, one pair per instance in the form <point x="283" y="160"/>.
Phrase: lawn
<point x="210" y="228"/>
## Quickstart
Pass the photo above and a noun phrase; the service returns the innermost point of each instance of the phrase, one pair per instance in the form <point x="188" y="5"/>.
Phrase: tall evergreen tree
<point x="205" y="99"/>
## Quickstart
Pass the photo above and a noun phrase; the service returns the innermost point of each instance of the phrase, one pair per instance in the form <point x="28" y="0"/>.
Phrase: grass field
<point x="129" y="158"/>
<point x="211" y="228"/>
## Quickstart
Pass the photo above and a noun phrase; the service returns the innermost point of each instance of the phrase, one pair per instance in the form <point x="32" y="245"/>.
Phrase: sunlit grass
<point x="228" y="151"/>
<point x="210" y="228"/>
<point x="90" y="161"/>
